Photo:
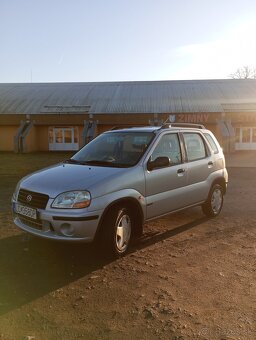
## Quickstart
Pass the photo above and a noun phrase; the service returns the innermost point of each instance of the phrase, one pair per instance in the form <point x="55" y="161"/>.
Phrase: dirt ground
<point x="189" y="277"/>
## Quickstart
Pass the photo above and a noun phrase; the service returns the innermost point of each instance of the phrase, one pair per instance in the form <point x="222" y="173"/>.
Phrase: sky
<point x="125" y="40"/>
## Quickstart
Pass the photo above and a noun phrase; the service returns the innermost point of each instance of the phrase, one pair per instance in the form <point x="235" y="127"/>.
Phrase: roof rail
<point x="185" y="125"/>
<point x="121" y="128"/>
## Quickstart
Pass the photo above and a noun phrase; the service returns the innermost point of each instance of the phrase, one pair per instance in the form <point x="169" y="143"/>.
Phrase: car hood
<point x="65" y="177"/>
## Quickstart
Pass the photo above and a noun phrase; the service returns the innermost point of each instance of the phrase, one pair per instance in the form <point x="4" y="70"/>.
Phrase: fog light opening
<point x="67" y="229"/>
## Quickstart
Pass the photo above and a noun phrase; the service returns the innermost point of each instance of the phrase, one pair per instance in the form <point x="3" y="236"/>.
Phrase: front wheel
<point x="212" y="207"/>
<point x="117" y="231"/>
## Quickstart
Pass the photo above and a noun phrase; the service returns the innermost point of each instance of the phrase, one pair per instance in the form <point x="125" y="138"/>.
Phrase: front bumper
<point x="62" y="225"/>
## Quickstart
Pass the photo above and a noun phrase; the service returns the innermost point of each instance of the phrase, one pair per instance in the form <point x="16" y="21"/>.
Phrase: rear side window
<point x="211" y="142"/>
<point x="195" y="146"/>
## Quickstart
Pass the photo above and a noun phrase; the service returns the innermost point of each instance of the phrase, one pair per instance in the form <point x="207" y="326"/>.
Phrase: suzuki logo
<point x="29" y="198"/>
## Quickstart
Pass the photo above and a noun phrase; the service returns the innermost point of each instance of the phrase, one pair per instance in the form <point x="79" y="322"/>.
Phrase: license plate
<point x="26" y="211"/>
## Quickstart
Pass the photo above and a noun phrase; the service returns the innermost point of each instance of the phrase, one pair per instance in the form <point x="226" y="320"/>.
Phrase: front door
<point x="166" y="187"/>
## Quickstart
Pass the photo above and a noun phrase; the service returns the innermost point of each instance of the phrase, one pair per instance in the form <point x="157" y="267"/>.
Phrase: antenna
<point x="167" y="121"/>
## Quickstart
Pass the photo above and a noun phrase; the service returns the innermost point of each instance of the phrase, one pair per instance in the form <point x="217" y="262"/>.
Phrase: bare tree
<point x="244" y="72"/>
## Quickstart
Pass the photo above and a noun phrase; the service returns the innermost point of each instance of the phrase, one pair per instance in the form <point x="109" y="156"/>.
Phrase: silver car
<point x="121" y="179"/>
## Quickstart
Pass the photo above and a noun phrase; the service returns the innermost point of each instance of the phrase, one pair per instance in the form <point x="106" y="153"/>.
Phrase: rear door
<point x="200" y="166"/>
<point x="166" y="187"/>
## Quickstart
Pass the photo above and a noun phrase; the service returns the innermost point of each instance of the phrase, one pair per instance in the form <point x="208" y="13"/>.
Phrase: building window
<point x="68" y="136"/>
<point x="254" y="135"/>
<point x="246" y="135"/>
<point x="58" y="135"/>
<point x="63" y="138"/>
<point x="246" y="138"/>
<point x="238" y="130"/>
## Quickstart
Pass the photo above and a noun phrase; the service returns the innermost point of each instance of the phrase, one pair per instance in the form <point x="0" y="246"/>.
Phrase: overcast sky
<point x="112" y="40"/>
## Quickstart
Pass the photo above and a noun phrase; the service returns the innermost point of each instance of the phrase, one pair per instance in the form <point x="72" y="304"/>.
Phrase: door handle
<point x="180" y="171"/>
<point x="210" y="164"/>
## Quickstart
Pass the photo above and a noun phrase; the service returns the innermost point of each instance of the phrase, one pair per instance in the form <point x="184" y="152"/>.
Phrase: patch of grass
<point x="12" y="164"/>
<point x="15" y="166"/>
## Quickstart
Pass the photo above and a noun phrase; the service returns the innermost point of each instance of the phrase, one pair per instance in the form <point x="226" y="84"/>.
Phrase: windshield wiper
<point x="96" y="163"/>
<point x="73" y="161"/>
<point x="104" y="163"/>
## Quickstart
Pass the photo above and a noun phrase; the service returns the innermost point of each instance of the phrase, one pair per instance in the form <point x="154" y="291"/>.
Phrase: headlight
<point x="16" y="192"/>
<point x="72" y="200"/>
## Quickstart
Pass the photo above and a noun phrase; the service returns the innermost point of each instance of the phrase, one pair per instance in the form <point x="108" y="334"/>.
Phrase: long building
<point x="65" y="116"/>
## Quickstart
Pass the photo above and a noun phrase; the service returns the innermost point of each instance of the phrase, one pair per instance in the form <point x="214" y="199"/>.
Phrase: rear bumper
<point x="226" y="179"/>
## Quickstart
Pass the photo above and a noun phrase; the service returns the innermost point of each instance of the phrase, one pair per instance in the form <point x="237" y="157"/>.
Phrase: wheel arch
<point x="220" y="181"/>
<point x="128" y="202"/>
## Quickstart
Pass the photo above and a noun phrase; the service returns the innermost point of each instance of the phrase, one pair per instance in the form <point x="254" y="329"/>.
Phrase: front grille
<point x="37" y="200"/>
<point x="36" y="224"/>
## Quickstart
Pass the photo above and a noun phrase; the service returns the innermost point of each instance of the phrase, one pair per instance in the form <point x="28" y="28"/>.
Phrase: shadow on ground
<point x="31" y="267"/>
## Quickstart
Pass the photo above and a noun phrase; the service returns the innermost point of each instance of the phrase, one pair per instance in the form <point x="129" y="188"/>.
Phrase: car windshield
<point x="114" y="149"/>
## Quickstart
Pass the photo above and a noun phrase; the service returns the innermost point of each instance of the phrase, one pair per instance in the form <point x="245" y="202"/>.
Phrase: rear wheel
<point x="212" y="207"/>
<point x="117" y="231"/>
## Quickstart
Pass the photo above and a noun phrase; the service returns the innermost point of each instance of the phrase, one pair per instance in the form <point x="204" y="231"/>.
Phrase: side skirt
<point x="174" y="211"/>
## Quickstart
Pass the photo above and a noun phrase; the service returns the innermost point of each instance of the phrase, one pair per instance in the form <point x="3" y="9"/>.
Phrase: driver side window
<point x="168" y="146"/>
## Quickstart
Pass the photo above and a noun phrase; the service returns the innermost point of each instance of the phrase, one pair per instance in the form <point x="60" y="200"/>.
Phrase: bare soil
<point x="189" y="277"/>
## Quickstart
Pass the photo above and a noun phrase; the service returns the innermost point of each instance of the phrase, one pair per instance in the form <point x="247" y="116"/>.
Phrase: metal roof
<point x="128" y="97"/>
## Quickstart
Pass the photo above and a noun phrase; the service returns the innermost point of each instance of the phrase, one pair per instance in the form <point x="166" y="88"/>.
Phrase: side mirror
<point x="159" y="162"/>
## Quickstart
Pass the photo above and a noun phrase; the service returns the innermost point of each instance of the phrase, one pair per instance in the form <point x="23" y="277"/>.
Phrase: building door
<point x="63" y="139"/>
<point x="245" y="138"/>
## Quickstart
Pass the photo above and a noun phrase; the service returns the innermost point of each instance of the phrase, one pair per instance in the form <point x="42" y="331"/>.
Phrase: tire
<point x="212" y="207"/>
<point x="117" y="231"/>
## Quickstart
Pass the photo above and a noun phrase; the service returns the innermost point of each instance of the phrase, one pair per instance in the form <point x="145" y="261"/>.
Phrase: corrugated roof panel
<point x="129" y="97"/>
